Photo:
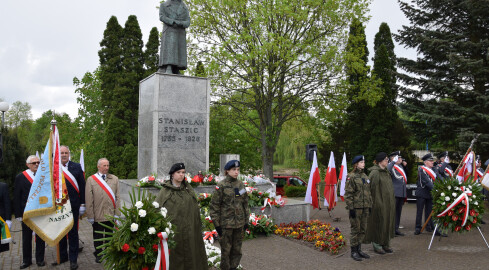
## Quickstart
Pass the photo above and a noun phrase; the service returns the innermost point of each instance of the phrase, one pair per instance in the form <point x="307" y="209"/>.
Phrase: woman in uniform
<point x="358" y="203"/>
<point x="178" y="197"/>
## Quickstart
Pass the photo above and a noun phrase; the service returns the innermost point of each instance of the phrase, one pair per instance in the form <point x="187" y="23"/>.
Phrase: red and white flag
<point x="82" y="163"/>
<point x="314" y="179"/>
<point x="466" y="169"/>
<point x="342" y="177"/>
<point x="330" y="197"/>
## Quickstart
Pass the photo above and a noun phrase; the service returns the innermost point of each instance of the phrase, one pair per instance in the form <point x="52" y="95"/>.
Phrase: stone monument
<point x="173" y="124"/>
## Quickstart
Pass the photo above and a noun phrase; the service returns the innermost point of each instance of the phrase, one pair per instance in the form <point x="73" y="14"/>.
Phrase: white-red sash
<point x="105" y="187"/>
<point x="401" y="171"/>
<point x="29" y="175"/>
<point x="71" y="179"/>
<point x="163" y="259"/>
<point x="430" y="172"/>
<point x="450" y="172"/>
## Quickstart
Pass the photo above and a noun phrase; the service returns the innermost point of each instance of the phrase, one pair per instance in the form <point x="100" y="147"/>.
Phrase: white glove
<point x="9" y="223"/>
<point x="19" y="219"/>
<point x="91" y="220"/>
<point x="446" y="160"/>
<point x="396" y="158"/>
<point x="82" y="210"/>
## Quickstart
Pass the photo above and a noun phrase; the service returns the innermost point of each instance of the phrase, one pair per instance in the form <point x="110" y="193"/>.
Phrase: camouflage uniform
<point x="229" y="210"/>
<point x="358" y="198"/>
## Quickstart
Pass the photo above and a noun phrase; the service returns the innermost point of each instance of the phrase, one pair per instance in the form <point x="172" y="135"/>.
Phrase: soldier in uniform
<point x="427" y="174"/>
<point x="447" y="171"/>
<point x="399" y="181"/>
<point x="230" y="212"/>
<point x="358" y="203"/>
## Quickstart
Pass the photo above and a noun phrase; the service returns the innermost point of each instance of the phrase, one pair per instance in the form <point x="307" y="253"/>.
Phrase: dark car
<point x="411" y="192"/>
<point x="289" y="180"/>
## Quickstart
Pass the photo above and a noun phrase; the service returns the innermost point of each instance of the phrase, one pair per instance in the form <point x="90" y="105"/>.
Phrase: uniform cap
<point x="176" y="167"/>
<point x="357" y="159"/>
<point x="442" y="155"/>
<point x="428" y="156"/>
<point x="396" y="153"/>
<point x="231" y="164"/>
<point x="380" y="156"/>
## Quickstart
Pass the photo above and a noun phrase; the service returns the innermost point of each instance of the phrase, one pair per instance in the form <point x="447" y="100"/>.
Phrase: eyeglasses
<point x="35" y="163"/>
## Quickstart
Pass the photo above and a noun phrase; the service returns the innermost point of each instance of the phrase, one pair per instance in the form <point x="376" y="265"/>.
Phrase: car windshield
<point x="295" y="182"/>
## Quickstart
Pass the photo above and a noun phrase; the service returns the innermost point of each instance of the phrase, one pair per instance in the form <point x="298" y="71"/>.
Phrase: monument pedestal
<point x="173" y="124"/>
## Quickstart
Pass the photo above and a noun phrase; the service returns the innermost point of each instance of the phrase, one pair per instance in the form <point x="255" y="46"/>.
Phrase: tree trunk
<point x="267" y="159"/>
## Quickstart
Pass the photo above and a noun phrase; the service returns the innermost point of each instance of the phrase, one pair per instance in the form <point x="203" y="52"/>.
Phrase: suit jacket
<point x="5" y="210"/>
<point x="98" y="202"/>
<point x="22" y="186"/>
<point x="76" y="198"/>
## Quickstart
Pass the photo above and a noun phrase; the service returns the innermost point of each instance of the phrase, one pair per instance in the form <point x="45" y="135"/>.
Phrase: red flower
<point x="460" y="210"/>
<point x="450" y="213"/>
<point x="155" y="247"/>
<point x="468" y="227"/>
<point x="141" y="250"/>
<point x="445" y="224"/>
<point x="472" y="212"/>
<point x="151" y="178"/>
<point x="125" y="248"/>
<point x="458" y="228"/>
<point x="454" y="217"/>
<point x="474" y="221"/>
<point x="476" y="214"/>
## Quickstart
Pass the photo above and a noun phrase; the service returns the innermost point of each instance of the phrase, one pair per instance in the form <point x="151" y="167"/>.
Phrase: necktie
<point x="103" y="176"/>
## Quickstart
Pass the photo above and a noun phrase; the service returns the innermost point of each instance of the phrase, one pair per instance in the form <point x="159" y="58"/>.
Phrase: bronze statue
<point x="173" y="53"/>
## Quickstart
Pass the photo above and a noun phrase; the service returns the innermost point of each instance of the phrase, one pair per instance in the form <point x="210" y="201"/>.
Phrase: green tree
<point x="17" y="113"/>
<point x="14" y="155"/>
<point x="200" y="70"/>
<point x="120" y="138"/>
<point x="445" y="88"/>
<point x="270" y="57"/>
<point x="151" y="54"/>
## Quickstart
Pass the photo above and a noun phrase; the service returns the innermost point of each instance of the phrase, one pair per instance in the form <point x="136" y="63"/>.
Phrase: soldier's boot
<point x="361" y="253"/>
<point x="355" y="255"/>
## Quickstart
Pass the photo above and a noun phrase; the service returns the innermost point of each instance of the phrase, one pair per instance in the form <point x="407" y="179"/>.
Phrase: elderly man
<point x="399" y="181"/>
<point x="22" y="186"/>
<point x="75" y="184"/>
<point x="101" y="198"/>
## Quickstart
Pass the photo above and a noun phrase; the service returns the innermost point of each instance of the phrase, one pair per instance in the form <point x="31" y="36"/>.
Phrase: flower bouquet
<point x="261" y="224"/>
<point x="204" y="199"/>
<point x="209" y="180"/>
<point x="324" y="236"/>
<point x="150" y="181"/>
<point x="457" y="206"/>
<point x="133" y="244"/>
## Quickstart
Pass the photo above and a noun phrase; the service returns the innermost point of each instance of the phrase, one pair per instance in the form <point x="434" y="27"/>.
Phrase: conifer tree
<point x="446" y="87"/>
<point x="151" y="54"/>
<point x="200" y="70"/>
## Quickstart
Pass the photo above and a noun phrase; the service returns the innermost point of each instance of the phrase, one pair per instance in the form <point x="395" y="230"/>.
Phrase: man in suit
<point x="75" y="184"/>
<point x="102" y="199"/>
<point x="5" y="211"/>
<point x="22" y="186"/>
<point x="399" y="181"/>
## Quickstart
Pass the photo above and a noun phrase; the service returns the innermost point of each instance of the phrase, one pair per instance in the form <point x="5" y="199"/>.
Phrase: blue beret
<point x="231" y="164"/>
<point x="357" y="159"/>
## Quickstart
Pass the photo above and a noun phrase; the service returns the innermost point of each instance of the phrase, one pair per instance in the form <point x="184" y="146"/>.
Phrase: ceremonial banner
<point x="48" y="209"/>
<point x="82" y="163"/>
<point x="314" y="179"/>
<point x="4" y="232"/>
<point x="330" y="194"/>
<point x="342" y="177"/>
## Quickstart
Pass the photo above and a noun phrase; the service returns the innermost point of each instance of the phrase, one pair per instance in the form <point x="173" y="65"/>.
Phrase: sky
<point x="45" y="44"/>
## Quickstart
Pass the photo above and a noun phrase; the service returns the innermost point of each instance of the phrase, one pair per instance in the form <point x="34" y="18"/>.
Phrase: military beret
<point x="380" y="156"/>
<point x="357" y="159"/>
<point x="176" y="167"/>
<point x="396" y="153"/>
<point x="487" y="163"/>
<point x="428" y="156"/>
<point x="231" y="164"/>
<point x="442" y="155"/>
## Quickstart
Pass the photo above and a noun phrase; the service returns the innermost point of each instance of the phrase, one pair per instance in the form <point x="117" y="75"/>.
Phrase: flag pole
<point x="58" y="255"/>
<point x="456" y="172"/>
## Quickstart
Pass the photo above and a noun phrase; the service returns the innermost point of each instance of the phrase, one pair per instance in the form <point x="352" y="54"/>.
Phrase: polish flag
<point x="466" y="169"/>
<point x="330" y="197"/>
<point x="82" y="163"/>
<point x="342" y="177"/>
<point x="314" y="179"/>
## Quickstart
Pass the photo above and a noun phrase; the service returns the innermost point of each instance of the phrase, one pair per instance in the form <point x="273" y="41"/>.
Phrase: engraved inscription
<point x="181" y="130"/>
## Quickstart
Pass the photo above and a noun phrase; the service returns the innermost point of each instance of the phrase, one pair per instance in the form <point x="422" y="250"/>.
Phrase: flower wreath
<point x="457" y="206"/>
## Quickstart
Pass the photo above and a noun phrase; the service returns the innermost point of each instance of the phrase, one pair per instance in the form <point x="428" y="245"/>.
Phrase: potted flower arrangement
<point x="259" y="224"/>
<point x="150" y="181"/>
<point x="133" y="244"/>
<point x="457" y="207"/>
<point x="324" y="236"/>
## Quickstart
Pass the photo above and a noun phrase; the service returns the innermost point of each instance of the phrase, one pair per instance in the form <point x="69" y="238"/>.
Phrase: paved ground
<point x="410" y="252"/>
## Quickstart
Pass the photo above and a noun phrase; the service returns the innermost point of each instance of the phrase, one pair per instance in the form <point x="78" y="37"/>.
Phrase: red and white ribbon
<point x="210" y="236"/>
<point x="463" y="197"/>
<point x="163" y="260"/>
<point x="267" y="201"/>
